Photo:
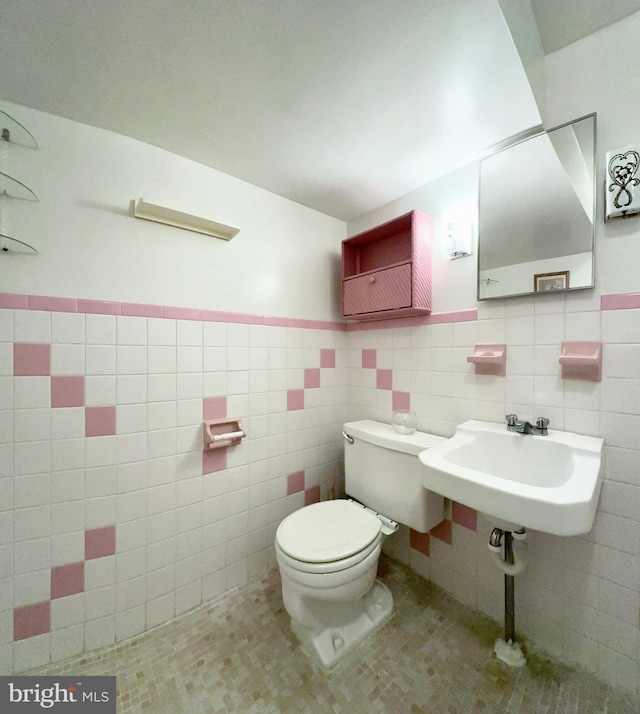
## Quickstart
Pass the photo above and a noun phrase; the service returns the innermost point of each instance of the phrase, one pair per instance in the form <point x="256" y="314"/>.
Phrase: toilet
<point x="328" y="552"/>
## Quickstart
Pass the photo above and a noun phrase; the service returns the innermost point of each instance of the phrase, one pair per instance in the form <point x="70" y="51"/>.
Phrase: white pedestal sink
<point x="547" y="483"/>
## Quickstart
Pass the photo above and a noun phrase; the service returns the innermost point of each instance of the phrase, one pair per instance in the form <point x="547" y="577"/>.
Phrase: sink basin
<point x="546" y="483"/>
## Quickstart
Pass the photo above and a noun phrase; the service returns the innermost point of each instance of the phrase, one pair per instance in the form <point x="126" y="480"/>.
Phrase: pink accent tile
<point x="311" y="378"/>
<point x="182" y="313"/>
<point x="67" y="580"/>
<point x="295" y="399"/>
<point x="419" y="541"/>
<point x="313" y="324"/>
<point x="295" y="482"/>
<point x="401" y="401"/>
<point x="67" y="391"/>
<point x="272" y="321"/>
<point x="31" y="360"/>
<point x="464" y="516"/>
<point x="99" y="307"/>
<point x="31" y="620"/>
<point x="438" y="318"/>
<point x="99" y="421"/>
<point x="214" y="460"/>
<point x="442" y="531"/>
<point x="415" y="321"/>
<point x="384" y="379"/>
<point x="327" y="358"/>
<point x="234" y="317"/>
<point x="15" y="302"/>
<point x="214" y="407"/>
<point x="369" y="359"/>
<point x="312" y="495"/>
<point x="624" y="301"/>
<point x="53" y="304"/>
<point x="135" y="309"/>
<point x="99" y="542"/>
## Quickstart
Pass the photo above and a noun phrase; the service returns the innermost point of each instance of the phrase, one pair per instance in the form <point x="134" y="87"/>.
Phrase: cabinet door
<point x="383" y="290"/>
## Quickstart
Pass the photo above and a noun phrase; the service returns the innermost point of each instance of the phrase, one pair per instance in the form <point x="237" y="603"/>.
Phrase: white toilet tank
<point x="382" y="471"/>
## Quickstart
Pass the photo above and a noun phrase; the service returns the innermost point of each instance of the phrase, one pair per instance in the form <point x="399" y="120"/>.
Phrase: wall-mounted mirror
<point x="537" y="213"/>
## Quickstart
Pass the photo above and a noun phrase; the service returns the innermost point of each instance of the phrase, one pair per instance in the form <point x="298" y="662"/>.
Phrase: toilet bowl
<point x="328" y="552"/>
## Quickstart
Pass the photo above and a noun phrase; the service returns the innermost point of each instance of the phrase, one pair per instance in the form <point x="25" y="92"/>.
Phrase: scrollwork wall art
<point x="622" y="198"/>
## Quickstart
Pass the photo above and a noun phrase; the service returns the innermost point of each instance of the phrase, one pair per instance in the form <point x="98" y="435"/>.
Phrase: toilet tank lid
<point x="375" y="432"/>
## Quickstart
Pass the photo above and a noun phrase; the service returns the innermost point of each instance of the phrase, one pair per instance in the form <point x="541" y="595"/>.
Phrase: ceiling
<point x="340" y="105"/>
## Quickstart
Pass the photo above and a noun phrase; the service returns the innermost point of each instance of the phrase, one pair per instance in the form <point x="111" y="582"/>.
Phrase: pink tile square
<point x="327" y="358"/>
<point x="401" y="401"/>
<point x="369" y="359"/>
<point x="312" y="495"/>
<point x="99" y="421"/>
<point x="67" y="580"/>
<point x="214" y="460"/>
<point x="311" y="378"/>
<point x="442" y="531"/>
<point x="464" y="516"/>
<point x="419" y="541"/>
<point x="53" y="304"/>
<point x="295" y="399"/>
<point x="67" y="391"/>
<point x="31" y="620"/>
<point x="384" y="378"/>
<point x="31" y="360"/>
<point x="99" y="542"/>
<point x="295" y="482"/>
<point x="214" y="407"/>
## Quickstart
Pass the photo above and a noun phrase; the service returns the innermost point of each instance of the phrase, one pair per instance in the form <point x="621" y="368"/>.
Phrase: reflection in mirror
<point x="537" y="214"/>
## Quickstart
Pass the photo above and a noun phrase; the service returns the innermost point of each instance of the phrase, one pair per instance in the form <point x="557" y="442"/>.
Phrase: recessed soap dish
<point x="490" y="359"/>
<point x="581" y="360"/>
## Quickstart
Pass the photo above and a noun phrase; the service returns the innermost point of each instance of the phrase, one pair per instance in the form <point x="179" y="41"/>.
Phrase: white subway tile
<point x="161" y="331"/>
<point x="131" y="330"/>
<point x="32" y="326"/>
<point x="31" y="392"/>
<point x="67" y="327"/>
<point x="100" y="329"/>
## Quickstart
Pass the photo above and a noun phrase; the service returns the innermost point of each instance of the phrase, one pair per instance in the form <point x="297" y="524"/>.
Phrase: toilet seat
<point x="327" y="532"/>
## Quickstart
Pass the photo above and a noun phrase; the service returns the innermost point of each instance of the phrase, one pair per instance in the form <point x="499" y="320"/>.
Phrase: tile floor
<point x="238" y="655"/>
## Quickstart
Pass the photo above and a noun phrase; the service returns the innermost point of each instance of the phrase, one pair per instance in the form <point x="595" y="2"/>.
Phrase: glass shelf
<point x="13" y="131"/>
<point x="12" y="188"/>
<point x="13" y="245"/>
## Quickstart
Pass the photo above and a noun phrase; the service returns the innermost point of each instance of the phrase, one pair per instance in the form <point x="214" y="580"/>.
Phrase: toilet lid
<point x="327" y="531"/>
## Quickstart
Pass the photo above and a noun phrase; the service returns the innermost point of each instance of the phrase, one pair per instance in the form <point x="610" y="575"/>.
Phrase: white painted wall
<point x="284" y="261"/>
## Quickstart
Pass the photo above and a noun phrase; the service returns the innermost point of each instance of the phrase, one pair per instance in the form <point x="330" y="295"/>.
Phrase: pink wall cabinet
<point x="386" y="271"/>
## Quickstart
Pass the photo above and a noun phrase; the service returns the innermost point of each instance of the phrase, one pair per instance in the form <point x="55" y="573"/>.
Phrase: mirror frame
<point x="520" y="138"/>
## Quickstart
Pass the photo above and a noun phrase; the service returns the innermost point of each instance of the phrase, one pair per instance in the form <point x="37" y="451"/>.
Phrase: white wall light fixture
<point x="457" y="225"/>
<point x="186" y="221"/>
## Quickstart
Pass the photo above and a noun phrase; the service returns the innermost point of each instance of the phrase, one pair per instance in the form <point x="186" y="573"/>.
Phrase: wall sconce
<point x="458" y="231"/>
<point x="622" y="199"/>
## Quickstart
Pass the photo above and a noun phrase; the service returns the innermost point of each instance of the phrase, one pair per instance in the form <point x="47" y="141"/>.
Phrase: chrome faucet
<point x="525" y="427"/>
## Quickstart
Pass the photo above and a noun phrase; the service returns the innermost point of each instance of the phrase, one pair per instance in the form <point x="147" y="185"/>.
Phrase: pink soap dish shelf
<point x="581" y="360"/>
<point x="490" y="359"/>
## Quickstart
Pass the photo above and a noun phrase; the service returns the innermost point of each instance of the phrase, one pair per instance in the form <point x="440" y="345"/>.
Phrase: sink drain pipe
<point x="507" y="650"/>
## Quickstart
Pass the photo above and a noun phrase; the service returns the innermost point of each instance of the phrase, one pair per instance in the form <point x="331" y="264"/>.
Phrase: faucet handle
<point x="512" y="419"/>
<point x="542" y="422"/>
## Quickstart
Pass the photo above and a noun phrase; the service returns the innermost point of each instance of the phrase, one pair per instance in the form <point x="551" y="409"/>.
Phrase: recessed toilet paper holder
<point x="219" y="433"/>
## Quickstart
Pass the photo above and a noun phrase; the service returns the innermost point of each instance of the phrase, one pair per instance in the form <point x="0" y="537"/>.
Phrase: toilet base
<point x="347" y="624"/>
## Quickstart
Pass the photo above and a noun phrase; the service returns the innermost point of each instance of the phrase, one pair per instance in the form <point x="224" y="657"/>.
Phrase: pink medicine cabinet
<point x="386" y="270"/>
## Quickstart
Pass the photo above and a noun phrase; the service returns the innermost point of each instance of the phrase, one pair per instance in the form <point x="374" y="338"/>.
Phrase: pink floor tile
<point x="99" y="421"/>
<point x="67" y="580"/>
<point x="31" y="360"/>
<point x="99" y="542"/>
<point x="67" y="391"/>
<point x="31" y="620"/>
